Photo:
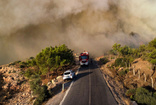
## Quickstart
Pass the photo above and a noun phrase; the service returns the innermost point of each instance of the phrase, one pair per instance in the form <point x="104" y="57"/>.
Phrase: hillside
<point x="36" y="79"/>
<point x="130" y="72"/>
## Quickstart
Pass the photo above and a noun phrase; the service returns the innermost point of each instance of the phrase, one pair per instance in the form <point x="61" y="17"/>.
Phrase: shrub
<point x="130" y="93"/>
<point x="104" y="60"/>
<point x="40" y="91"/>
<point x="123" y="72"/>
<point x="43" y="95"/>
<point x="152" y="43"/>
<point x="28" y="73"/>
<point x="113" y="52"/>
<point x="154" y="95"/>
<point x="143" y="96"/>
<point x="119" y="62"/>
<point x="153" y="61"/>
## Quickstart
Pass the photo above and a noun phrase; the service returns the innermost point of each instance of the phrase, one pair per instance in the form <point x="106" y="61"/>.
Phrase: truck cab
<point x="84" y="58"/>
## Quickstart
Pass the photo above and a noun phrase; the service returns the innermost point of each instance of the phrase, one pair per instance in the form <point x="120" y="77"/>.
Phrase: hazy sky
<point x="27" y="26"/>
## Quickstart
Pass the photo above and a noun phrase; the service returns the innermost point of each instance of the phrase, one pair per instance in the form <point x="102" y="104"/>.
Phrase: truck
<point x="84" y="58"/>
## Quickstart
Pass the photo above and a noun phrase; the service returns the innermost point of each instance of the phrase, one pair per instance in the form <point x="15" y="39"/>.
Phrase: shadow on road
<point x="80" y="75"/>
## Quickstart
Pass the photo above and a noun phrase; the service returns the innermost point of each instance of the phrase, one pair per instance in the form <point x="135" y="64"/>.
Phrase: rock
<point x="49" y="83"/>
<point x="59" y="77"/>
<point x="121" y="68"/>
<point x="4" y="78"/>
<point x="9" y="79"/>
<point x="6" y="86"/>
<point x="133" y="103"/>
<point x="53" y="82"/>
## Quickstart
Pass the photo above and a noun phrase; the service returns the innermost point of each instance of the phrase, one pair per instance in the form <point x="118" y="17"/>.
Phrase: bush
<point x="154" y="95"/>
<point x="113" y="52"/>
<point x="130" y="93"/>
<point x="40" y="91"/>
<point x="104" y="60"/>
<point x="43" y="95"/>
<point x="153" y="61"/>
<point x="119" y="62"/>
<point x="143" y="96"/>
<point x="28" y="73"/>
<point x="123" y="72"/>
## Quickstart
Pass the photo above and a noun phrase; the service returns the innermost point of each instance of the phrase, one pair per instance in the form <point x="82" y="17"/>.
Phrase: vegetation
<point x="128" y="54"/>
<point x="49" y="59"/>
<point x="130" y="93"/>
<point x="104" y="60"/>
<point x="54" y="59"/>
<point x="40" y="91"/>
<point x="142" y="96"/>
<point x="123" y="72"/>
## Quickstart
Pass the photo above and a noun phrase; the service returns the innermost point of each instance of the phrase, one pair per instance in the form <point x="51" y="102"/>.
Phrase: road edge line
<point x="68" y="90"/>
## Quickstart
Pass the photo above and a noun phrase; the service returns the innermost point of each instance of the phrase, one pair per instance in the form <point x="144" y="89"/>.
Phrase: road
<point x="89" y="88"/>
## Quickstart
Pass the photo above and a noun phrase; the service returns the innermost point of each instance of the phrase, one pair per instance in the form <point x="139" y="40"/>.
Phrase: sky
<point x="28" y="26"/>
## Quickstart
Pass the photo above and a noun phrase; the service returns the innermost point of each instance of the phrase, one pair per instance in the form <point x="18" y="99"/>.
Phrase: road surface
<point x="89" y="88"/>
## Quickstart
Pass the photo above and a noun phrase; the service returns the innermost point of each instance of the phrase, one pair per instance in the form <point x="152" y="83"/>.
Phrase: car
<point x="69" y="74"/>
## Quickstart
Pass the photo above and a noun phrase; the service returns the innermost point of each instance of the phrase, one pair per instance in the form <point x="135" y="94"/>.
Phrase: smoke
<point x="28" y="26"/>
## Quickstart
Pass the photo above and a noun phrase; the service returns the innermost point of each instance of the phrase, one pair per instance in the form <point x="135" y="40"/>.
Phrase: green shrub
<point x="153" y="61"/>
<point x="152" y="43"/>
<point x="143" y="96"/>
<point x="123" y="72"/>
<point x="119" y="62"/>
<point x="130" y="93"/>
<point x="104" y="60"/>
<point x="28" y="73"/>
<point x="126" y="71"/>
<point x="113" y="52"/>
<point x="40" y="91"/>
<point x="154" y="95"/>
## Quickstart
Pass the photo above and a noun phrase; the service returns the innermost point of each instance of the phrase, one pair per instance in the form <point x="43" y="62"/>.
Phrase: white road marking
<point x="66" y="94"/>
<point x="89" y="87"/>
<point x="68" y="89"/>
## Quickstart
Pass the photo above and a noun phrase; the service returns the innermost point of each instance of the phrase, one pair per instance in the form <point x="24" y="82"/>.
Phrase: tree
<point x="54" y="58"/>
<point x="152" y="43"/>
<point x="125" y="51"/>
<point x="116" y="47"/>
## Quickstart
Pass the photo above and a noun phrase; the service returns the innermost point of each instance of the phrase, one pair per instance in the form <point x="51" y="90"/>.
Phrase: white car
<point x="69" y="74"/>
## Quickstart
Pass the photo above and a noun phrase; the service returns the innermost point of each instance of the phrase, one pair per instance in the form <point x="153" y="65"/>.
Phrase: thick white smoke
<point x="27" y="26"/>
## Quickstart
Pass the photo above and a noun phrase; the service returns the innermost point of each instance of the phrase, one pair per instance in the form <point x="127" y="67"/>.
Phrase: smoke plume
<point x="27" y="26"/>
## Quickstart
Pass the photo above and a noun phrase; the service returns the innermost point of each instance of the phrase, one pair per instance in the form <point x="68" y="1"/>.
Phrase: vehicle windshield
<point x="66" y="73"/>
<point x="83" y="57"/>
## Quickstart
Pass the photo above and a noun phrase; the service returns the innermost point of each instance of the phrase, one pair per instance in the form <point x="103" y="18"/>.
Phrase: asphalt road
<point x="89" y="88"/>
